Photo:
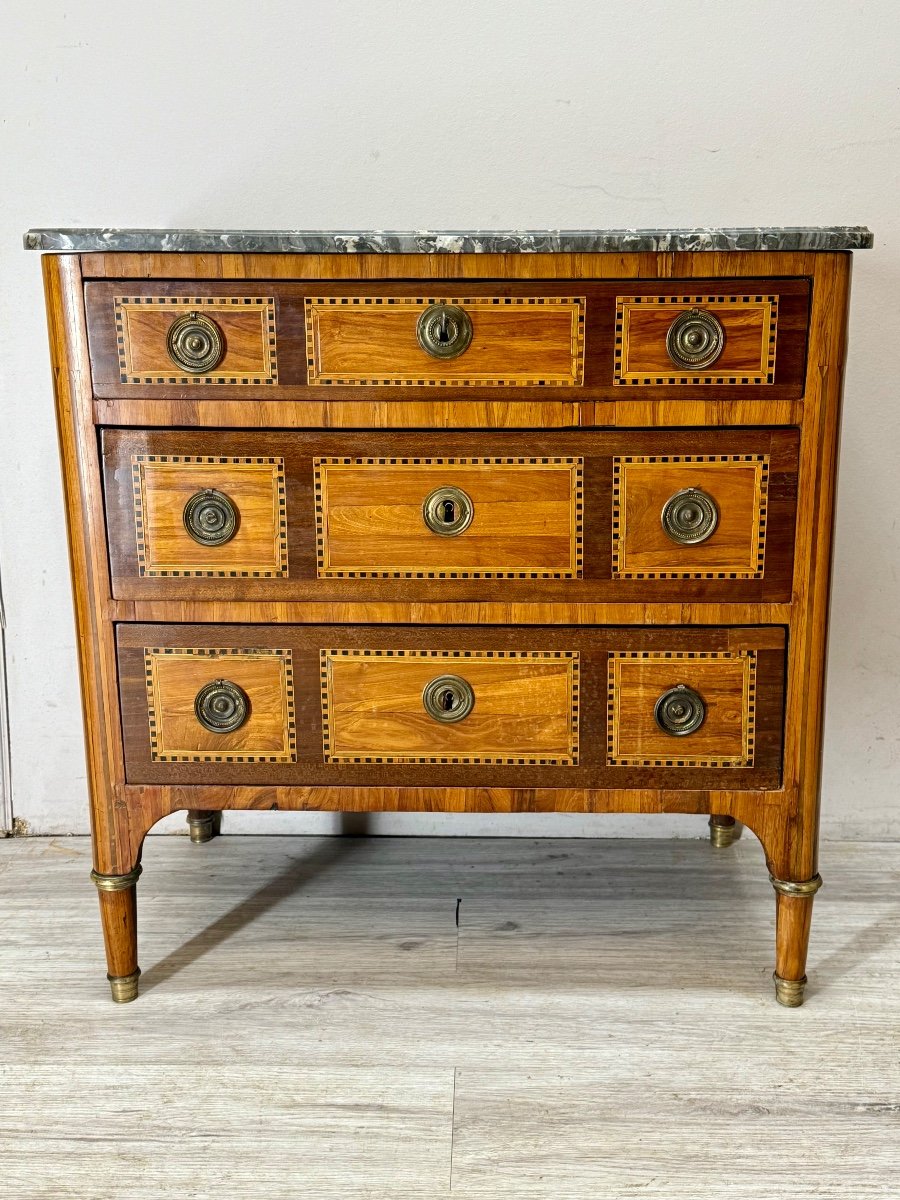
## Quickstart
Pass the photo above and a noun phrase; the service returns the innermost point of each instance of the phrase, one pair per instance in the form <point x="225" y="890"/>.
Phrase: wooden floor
<point x="314" y="1023"/>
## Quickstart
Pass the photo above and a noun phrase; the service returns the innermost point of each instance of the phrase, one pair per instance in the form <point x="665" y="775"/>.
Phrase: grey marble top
<point x="469" y="241"/>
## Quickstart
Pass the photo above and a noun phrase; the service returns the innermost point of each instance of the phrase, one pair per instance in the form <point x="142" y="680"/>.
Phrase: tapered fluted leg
<point x="118" y="914"/>
<point x="203" y="824"/>
<point x="793" y="917"/>
<point x="724" y="830"/>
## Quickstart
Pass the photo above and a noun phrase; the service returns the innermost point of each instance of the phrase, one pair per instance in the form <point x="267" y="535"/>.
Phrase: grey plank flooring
<point x="314" y="1022"/>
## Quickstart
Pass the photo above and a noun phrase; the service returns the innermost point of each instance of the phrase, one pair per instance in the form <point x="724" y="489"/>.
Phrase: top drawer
<point x="573" y="339"/>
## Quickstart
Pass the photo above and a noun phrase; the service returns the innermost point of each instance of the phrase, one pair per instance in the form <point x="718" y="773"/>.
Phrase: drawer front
<point x="467" y="706"/>
<point x="563" y="339"/>
<point x="683" y="515"/>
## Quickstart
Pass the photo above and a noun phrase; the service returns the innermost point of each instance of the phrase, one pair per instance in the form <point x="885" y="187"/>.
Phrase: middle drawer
<point x="581" y="516"/>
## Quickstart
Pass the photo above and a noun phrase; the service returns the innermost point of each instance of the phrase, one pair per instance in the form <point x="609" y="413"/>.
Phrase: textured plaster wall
<point x="396" y="114"/>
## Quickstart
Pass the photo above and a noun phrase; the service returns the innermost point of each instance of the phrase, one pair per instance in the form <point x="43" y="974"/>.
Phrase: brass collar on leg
<point x="201" y="826"/>
<point x="789" y="992"/>
<point x="116" y="883"/>
<point x="801" y="890"/>
<point x="723" y="831"/>
<point x="124" y="988"/>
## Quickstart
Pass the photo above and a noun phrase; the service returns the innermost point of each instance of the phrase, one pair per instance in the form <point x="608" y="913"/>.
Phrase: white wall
<point x="375" y="114"/>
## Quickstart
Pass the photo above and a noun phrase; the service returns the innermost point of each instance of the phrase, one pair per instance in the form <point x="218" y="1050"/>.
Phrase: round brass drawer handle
<point x="444" y="330"/>
<point x="690" y="516"/>
<point x="210" y="517"/>
<point x="695" y="339"/>
<point x="221" y="706"/>
<point x="680" y="711"/>
<point x="195" y="343"/>
<point x="448" y="511"/>
<point x="448" y="698"/>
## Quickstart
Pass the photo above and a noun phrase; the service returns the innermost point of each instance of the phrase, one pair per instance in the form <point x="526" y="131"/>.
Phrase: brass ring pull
<point x="195" y="343"/>
<point x="448" y="511"/>
<point x="680" y="711"/>
<point x="210" y="517"/>
<point x="448" y="699"/>
<point x="444" y="330"/>
<point x="695" y="339"/>
<point x="221" y="706"/>
<point x="690" y="516"/>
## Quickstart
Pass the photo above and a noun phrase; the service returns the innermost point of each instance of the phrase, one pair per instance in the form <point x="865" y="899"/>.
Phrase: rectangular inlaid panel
<point x="170" y="493"/>
<point x="245" y="324"/>
<point x="525" y="709"/>
<point x="657" y="499"/>
<point x="524" y="518"/>
<point x="522" y="341"/>
<point x="569" y="516"/>
<point x="749" y="327"/>
<point x="175" y="678"/>
<point x="533" y="706"/>
<point x="725" y="681"/>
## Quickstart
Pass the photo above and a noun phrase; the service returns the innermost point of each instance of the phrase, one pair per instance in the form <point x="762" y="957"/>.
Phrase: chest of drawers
<point x="464" y="522"/>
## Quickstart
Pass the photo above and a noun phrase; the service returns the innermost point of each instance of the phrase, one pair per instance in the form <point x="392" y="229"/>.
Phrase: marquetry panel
<point x="525" y="711"/>
<point x="162" y="484"/>
<point x="247" y="324"/>
<point x="570" y="517"/>
<point x="736" y="549"/>
<point x="538" y="715"/>
<point x="549" y="345"/>
<point x="174" y="675"/>
<point x="526" y="518"/>
<point x="748" y="355"/>
<point x="517" y="341"/>
<point x="725" y="681"/>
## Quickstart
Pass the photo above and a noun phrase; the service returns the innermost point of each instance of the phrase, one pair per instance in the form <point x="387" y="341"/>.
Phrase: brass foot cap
<point x="202" y="828"/>
<point x="124" y="987"/>
<point x="721" y="835"/>
<point x="789" y="992"/>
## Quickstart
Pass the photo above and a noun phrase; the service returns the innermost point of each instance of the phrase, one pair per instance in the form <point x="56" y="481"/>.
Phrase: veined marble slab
<point x="470" y="241"/>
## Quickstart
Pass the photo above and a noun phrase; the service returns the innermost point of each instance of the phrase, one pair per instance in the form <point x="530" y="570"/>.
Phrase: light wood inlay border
<point x="482" y="656"/>
<point x="139" y="465"/>
<point x="748" y="708"/>
<point x="317" y="378"/>
<point x="178" y="304"/>
<point x="575" y="466"/>
<point x="766" y="373"/>
<point x="619" y="521"/>
<point x="154" y="705"/>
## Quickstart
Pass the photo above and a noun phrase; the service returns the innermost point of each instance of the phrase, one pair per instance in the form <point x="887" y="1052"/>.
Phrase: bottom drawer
<point x="465" y="706"/>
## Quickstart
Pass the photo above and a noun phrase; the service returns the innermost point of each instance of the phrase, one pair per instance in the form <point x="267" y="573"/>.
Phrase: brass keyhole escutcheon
<point x="680" y="711"/>
<point x="690" y="516"/>
<point x="695" y="339"/>
<point x="448" y="698"/>
<point x="210" y="517"/>
<point x="444" y="330"/>
<point x="221" y="706"/>
<point x="195" y="343"/>
<point x="448" y="511"/>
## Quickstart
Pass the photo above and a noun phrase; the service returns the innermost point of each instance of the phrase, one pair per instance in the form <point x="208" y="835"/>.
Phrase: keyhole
<point x="449" y="511"/>
<point x="448" y="701"/>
